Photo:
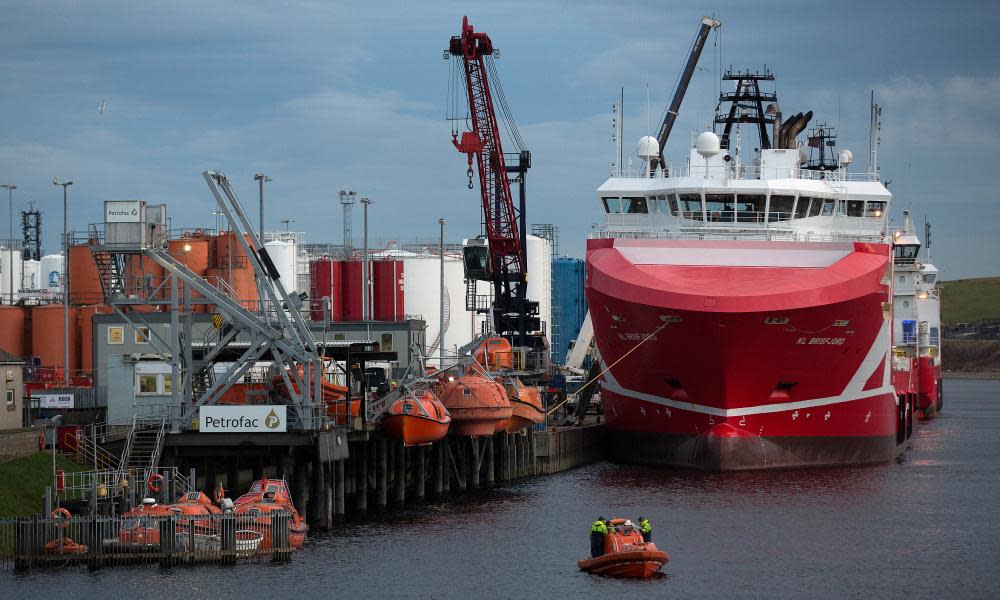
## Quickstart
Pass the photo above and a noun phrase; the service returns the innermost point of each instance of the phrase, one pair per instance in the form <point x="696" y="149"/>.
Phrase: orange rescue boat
<point x="525" y="404"/>
<point x="268" y="496"/>
<point x="418" y="418"/>
<point x="625" y="553"/>
<point x="476" y="402"/>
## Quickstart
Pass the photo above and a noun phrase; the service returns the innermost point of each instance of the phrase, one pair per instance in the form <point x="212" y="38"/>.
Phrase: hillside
<point x="25" y="480"/>
<point x="970" y="300"/>
<point x="970" y="356"/>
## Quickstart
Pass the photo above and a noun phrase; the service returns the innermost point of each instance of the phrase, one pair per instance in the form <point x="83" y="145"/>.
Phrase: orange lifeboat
<point x="495" y="354"/>
<point x="476" y="402"/>
<point x="267" y="496"/>
<point x="525" y="404"/>
<point x="417" y="419"/>
<point x="625" y="553"/>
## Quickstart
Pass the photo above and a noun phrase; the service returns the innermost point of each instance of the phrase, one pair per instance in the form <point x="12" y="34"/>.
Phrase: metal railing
<point x="741" y="172"/>
<point x="144" y="539"/>
<point x="734" y="233"/>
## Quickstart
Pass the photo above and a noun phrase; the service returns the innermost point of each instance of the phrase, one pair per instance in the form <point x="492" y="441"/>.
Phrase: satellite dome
<point x="845" y="157"/>
<point x="707" y="145"/>
<point x="648" y="148"/>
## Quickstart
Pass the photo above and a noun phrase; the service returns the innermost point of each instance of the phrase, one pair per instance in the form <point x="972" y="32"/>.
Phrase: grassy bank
<point x="971" y="356"/>
<point x="970" y="300"/>
<point x="24" y="482"/>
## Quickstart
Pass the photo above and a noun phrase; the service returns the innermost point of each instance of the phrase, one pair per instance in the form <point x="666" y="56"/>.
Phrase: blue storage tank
<point x="569" y="304"/>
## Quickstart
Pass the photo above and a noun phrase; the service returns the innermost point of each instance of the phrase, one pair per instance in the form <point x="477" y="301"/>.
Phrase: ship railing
<point x="55" y="541"/>
<point x="706" y="233"/>
<point x="715" y="172"/>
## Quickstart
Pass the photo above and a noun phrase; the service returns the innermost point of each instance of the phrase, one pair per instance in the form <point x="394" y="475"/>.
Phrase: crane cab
<point x="476" y="259"/>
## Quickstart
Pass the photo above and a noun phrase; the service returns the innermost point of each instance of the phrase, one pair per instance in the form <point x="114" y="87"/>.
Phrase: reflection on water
<point x="925" y="526"/>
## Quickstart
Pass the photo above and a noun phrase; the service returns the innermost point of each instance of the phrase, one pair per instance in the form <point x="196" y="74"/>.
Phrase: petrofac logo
<point x="122" y="211"/>
<point x="242" y="419"/>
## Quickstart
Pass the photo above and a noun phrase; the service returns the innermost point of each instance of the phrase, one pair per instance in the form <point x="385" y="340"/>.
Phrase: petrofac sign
<point x="121" y="211"/>
<point x="243" y="419"/>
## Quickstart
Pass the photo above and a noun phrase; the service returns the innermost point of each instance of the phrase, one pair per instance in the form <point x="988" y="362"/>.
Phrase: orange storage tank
<point x="230" y="255"/>
<point x="84" y="281"/>
<point x="85" y="324"/>
<point x="47" y="335"/>
<point x="144" y="278"/>
<point x="388" y="290"/>
<point x="12" y="330"/>
<point x="194" y="253"/>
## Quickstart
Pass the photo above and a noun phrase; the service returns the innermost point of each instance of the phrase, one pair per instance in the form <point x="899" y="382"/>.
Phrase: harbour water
<point x="925" y="526"/>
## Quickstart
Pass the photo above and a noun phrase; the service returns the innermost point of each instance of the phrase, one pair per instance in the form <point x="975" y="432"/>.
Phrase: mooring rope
<point x="608" y="368"/>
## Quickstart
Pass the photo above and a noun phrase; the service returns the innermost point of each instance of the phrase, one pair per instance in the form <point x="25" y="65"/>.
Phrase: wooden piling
<point x="490" y="473"/>
<point x="381" y="476"/>
<point x="438" y="466"/>
<point x="339" y="491"/>
<point x="361" y="469"/>
<point x="475" y="465"/>
<point x="399" y="480"/>
<point x="420" y="472"/>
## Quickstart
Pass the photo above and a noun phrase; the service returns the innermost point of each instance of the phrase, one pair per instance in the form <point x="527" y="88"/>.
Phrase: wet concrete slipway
<point x="926" y="526"/>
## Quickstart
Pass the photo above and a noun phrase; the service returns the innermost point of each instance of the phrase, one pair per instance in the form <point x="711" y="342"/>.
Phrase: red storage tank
<point x="192" y="252"/>
<point x="12" y="328"/>
<point x="325" y="282"/>
<point x="144" y="276"/>
<point x="85" y="325"/>
<point x="231" y="256"/>
<point x="84" y="281"/>
<point x="47" y="336"/>
<point x="388" y="290"/>
<point x="351" y="289"/>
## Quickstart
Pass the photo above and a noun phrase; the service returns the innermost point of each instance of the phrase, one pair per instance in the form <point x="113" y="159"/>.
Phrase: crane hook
<point x="469" y="173"/>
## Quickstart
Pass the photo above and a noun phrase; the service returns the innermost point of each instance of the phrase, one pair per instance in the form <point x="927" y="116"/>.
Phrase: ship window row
<point x="742" y="208"/>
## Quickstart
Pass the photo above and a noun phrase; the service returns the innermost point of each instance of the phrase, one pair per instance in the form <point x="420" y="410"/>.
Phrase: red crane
<point x="502" y="261"/>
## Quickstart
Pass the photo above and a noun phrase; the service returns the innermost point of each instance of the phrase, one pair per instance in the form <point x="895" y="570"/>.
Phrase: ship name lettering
<point x="818" y="341"/>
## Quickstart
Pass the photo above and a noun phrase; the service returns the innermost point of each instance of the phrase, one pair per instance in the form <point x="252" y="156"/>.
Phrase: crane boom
<point x="484" y="142"/>
<point x="707" y="24"/>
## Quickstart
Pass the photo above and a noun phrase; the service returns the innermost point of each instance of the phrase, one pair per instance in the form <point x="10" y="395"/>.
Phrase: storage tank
<point x="351" y="289"/>
<point x="235" y="271"/>
<point x="569" y="304"/>
<point x="32" y="275"/>
<point x="388" y="290"/>
<point x="85" y="325"/>
<point x="47" y="335"/>
<point x="10" y="264"/>
<point x="84" y="281"/>
<point x="192" y="252"/>
<point x="325" y="282"/>
<point x="51" y="273"/>
<point x="12" y="336"/>
<point x="144" y="279"/>
<point x="284" y="255"/>
<point x="540" y="277"/>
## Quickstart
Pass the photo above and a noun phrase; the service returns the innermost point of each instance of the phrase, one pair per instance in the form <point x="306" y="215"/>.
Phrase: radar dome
<point x="648" y="148"/>
<point x="845" y="157"/>
<point x="707" y="144"/>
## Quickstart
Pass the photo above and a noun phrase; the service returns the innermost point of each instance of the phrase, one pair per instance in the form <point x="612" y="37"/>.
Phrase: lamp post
<point x="261" y="179"/>
<point x="365" y="298"/>
<point x="441" y="313"/>
<point x="10" y="238"/>
<point x="65" y="185"/>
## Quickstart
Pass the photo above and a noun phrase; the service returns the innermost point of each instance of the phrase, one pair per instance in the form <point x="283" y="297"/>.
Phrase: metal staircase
<point x="144" y="444"/>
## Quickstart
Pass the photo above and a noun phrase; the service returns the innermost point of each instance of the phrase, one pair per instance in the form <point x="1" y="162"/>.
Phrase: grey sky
<point x="324" y="96"/>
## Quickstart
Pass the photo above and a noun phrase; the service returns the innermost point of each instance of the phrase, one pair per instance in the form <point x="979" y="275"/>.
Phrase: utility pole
<point x="65" y="184"/>
<point x="261" y="179"/>
<point x="10" y="238"/>
<point x="441" y="308"/>
<point x="366" y="313"/>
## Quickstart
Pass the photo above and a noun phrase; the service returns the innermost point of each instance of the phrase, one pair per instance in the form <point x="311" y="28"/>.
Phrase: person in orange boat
<point x="598" y="531"/>
<point x="646" y="529"/>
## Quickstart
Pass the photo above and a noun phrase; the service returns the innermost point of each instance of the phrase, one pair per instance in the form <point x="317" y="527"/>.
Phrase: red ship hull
<point x="745" y="355"/>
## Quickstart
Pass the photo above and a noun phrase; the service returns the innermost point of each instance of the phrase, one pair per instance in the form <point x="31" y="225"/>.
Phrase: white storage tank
<point x="10" y="263"/>
<point x="51" y="273"/>
<point x="31" y="279"/>
<point x="540" y="278"/>
<point x="283" y="254"/>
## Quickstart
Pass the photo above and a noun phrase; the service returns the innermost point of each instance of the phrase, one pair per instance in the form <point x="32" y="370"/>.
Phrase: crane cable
<point x="608" y="368"/>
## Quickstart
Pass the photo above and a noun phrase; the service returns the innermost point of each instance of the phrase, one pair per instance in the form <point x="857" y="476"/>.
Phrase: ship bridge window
<point x="907" y="251"/>
<point x="827" y="208"/>
<point x="612" y="205"/>
<point x="750" y="208"/>
<point x="855" y="208"/>
<point x="802" y="208"/>
<point x="875" y="209"/>
<point x="658" y="205"/>
<point x="781" y="208"/>
<point x="719" y="207"/>
<point x="691" y="206"/>
<point x="674" y="204"/>
<point x="634" y="206"/>
<point x="929" y="278"/>
<point x="815" y="207"/>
